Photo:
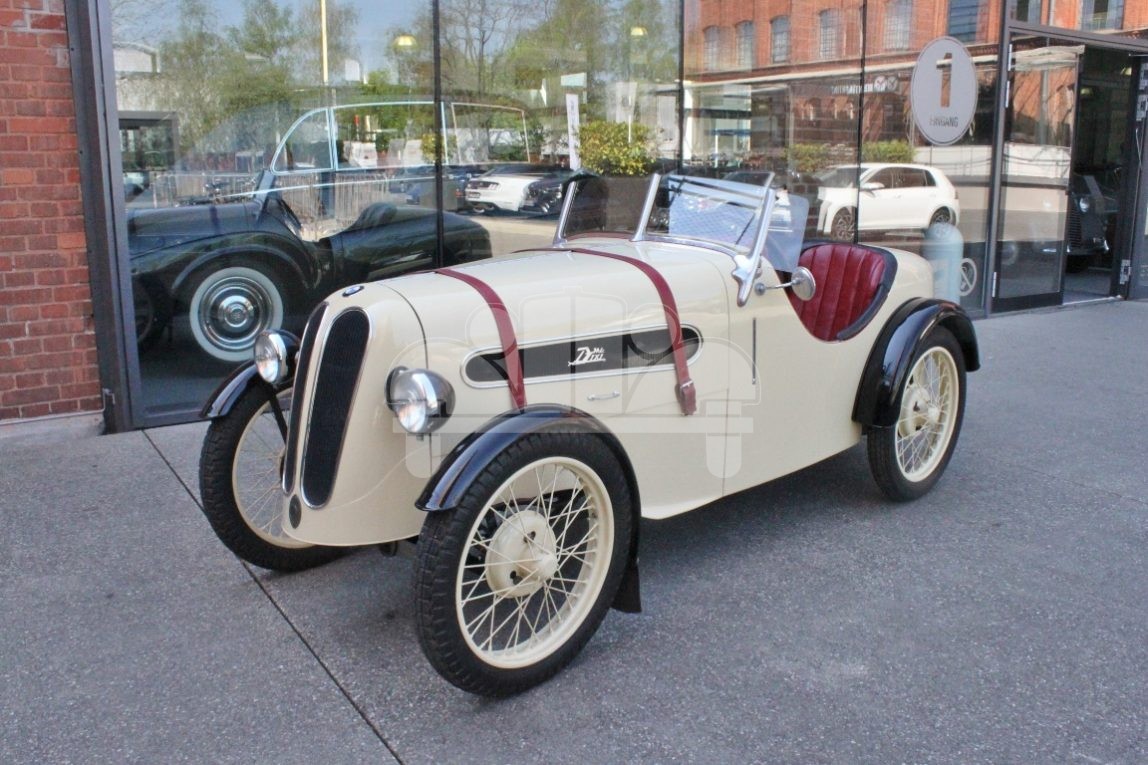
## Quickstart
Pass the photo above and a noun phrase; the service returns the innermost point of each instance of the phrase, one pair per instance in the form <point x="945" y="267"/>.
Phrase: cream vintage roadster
<point x="517" y="418"/>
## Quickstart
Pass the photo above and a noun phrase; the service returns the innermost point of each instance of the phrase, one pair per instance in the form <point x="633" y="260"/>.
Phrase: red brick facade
<point x="47" y="341"/>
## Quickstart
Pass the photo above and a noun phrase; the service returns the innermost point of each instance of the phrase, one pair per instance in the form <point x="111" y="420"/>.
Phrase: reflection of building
<point x="769" y="74"/>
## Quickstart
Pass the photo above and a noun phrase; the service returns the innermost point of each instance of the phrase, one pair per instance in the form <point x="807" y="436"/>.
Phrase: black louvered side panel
<point x="1073" y="235"/>
<point x="338" y="374"/>
<point x="302" y="364"/>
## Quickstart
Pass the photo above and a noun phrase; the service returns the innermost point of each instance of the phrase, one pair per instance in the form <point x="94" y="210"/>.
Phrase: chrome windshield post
<point x="648" y="207"/>
<point x="746" y="266"/>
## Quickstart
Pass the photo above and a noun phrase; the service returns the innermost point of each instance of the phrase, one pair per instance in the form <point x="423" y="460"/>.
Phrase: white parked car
<point x="884" y="197"/>
<point x="504" y="188"/>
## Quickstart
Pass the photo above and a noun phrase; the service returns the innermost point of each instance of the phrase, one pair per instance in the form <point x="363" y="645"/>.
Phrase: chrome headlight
<point x="421" y="400"/>
<point x="271" y="356"/>
<point x="1084" y="203"/>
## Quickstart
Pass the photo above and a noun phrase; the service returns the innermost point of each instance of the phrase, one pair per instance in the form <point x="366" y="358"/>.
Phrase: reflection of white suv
<point x="890" y="197"/>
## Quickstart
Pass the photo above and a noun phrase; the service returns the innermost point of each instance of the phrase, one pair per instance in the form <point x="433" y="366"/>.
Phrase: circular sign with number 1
<point x="943" y="92"/>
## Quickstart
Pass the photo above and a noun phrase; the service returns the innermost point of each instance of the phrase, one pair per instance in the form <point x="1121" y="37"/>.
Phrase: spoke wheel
<point x="908" y="458"/>
<point x="239" y="475"/>
<point x="515" y="580"/>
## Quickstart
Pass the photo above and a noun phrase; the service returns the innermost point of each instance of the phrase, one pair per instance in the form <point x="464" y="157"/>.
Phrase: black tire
<point x="923" y="406"/>
<point x="243" y="451"/>
<point x="229" y="305"/>
<point x="458" y="566"/>
<point x="153" y="312"/>
<point x="844" y="225"/>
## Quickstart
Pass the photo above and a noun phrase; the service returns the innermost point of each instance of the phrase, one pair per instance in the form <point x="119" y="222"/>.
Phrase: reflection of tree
<point x="341" y="23"/>
<point x="474" y="36"/>
<point x="192" y="62"/>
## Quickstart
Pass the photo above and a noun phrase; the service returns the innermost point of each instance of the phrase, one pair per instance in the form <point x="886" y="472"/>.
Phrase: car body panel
<point x="577" y="297"/>
<point x="378" y="463"/>
<point x="591" y="336"/>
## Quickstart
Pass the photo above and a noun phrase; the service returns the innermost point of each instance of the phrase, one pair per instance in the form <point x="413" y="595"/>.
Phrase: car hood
<point x="553" y="296"/>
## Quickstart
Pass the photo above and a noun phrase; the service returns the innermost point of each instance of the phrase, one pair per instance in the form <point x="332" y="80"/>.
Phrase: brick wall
<point x="47" y="343"/>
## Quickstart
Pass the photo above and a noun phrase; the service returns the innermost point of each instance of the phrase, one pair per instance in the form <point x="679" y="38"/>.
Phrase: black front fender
<point x="878" y="394"/>
<point x="474" y="454"/>
<point x="234" y="386"/>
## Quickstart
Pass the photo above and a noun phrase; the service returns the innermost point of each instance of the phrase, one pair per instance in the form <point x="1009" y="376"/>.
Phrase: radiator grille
<point x="335" y="382"/>
<point x="301" y="365"/>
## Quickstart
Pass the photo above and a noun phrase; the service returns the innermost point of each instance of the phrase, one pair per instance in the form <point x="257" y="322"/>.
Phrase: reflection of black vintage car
<point x="1091" y="222"/>
<point x="238" y="268"/>
<point x="544" y="196"/>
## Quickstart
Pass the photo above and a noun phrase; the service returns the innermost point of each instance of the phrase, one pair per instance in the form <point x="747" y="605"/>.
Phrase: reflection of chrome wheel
<point x="239" y="473"/>
<point x="230" y="307"/>
<point x="944" y="215"/>
<point x="514" y="581"/>
<point x="844" y="224"/>
<point x="908" y="458"/>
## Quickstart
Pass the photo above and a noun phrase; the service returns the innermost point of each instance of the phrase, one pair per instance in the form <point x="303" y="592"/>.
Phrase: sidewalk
<point x="1000" y="619"/>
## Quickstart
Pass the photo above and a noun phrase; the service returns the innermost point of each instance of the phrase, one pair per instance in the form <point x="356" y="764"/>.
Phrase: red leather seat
<point x="852" y="281"/>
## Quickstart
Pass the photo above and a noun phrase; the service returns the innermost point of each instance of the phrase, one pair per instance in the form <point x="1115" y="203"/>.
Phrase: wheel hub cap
<point x="236" y="312"/>
<point x="522" y="555"/>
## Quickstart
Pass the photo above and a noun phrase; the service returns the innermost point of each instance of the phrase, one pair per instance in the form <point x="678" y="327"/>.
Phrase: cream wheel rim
<point x="534" y="562"/>
<point x="928" y="414"/>
<point x="256" y="476"/>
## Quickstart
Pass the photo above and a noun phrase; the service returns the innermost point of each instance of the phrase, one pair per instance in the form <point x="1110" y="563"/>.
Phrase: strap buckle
<point x="688" y="397"/>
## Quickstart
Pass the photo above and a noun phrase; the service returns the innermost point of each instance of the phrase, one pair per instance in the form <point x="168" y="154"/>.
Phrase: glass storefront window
<point x="545" y="94"/>
<point x="268" y="159"/>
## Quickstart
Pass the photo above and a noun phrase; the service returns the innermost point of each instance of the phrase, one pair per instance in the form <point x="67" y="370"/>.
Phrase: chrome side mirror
<point x="801" y="281"/>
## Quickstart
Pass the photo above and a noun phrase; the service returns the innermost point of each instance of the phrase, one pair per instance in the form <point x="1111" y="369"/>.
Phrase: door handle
<point x="603" y="396"/>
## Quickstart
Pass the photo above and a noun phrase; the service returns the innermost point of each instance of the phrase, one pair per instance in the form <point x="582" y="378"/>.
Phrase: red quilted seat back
<point x="851" y="280"/>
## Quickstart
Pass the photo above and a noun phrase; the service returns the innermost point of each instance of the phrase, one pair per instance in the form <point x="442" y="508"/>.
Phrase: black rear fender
<point x="878" y="394"/>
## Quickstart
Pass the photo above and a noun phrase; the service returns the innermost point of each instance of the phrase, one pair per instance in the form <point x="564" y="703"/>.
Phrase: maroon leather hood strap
<point x="687" y="395"/>
<point x="505" y="333"/>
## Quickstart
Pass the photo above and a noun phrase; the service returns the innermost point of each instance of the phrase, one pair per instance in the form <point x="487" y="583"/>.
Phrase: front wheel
<point x="239" y="473"/>
<point x="909" y="457"/>
<point x="512" y="583"/>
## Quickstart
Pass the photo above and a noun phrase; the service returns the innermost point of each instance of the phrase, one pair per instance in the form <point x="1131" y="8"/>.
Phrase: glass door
<point x="1036" y="171"/>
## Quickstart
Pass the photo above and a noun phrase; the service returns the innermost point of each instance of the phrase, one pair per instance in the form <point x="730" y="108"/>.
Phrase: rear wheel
<point x="239" y="474"/>
<point x="908" y="458"/>
<point x="512" y="583"/>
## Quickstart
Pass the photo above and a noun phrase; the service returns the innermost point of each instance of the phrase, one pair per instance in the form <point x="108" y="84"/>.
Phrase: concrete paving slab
<point x="998" y="619"/>
<point x="130" y="635"/>
<point x="179" y="446"/>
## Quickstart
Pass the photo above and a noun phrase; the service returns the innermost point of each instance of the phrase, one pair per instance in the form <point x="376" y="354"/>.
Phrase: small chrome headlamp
<point x="1085" y="204"/>
<point x="421" y="400"/>
<point x="271" y="356"/>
